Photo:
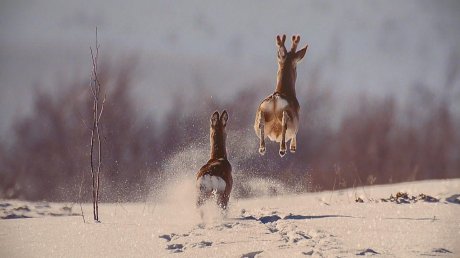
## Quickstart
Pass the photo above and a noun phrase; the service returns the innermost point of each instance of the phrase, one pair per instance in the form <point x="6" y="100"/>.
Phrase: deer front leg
<point x="293" y="144"/>
<point x="261" y="121"/>
<point x="283" y="133"/>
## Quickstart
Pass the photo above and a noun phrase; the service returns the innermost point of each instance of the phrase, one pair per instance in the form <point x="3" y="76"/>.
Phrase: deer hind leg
<point x="283" y="133"/>
<point x="201" y="199"/>
<point x="222" y="201"/>
<point x="261" y="122"/>
<point x="293" y="144"/>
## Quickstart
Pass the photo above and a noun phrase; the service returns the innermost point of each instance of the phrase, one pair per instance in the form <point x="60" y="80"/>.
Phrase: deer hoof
<point x="293" y="149"/>
<point x="262" y="150"/>
<point x="282" y="153"/>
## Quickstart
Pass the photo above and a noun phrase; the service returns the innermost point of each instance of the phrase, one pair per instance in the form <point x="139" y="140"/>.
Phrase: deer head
<point x="218" y="135"/>
<point x="287" y="63"/>
<point x="292" y="57"/>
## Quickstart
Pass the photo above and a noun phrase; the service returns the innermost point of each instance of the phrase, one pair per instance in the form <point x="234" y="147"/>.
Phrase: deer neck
<point x="285" y="81"/>
<point x="218" y="148"/>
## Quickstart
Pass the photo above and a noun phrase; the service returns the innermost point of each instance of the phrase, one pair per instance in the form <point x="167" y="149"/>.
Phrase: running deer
<point x="216" y="176"/>
<point x="278" y="115"/>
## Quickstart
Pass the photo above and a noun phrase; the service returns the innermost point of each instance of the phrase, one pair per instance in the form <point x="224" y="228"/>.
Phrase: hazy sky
<point x="379" y="47"/>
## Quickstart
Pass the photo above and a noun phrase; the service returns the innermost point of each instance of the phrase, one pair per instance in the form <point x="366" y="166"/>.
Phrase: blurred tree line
<point x="376" y="141"/>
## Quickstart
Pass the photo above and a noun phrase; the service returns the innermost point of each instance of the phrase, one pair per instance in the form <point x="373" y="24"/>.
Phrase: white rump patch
<point x="277" y="102"/>
<point x="210" y="183"/>
<point x="281" y="104"/>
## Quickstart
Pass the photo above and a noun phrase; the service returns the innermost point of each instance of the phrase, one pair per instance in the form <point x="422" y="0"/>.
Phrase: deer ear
<point x="214" y="119"/>
<point x="301" y="53"/>
<point x="224" y="118"/>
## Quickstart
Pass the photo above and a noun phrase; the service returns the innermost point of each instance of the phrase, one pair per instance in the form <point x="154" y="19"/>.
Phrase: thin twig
<point x="96" y="145"/>
<point x="102" y="107"/>
<point x="355" y="170"/>
<point x="333" y="187"/>
<point x="336" y="172"/>
<point x="79" y="196"/>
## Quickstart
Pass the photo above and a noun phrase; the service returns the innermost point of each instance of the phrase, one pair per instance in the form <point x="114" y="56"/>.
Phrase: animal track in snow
<point x="175" y="248"/>
<point x="289" y="231"/>
<point x="201" y="244"/>
<point x="177" y="243"/>
<point x="367" y="251"/>
<point x="441" y="250"/>
<point x="293" y="234"/>
<point x="172" y="236"/>
<point x="251" y="254"/>
<point x="167" y="237"/>
<point x="437" y="252"/>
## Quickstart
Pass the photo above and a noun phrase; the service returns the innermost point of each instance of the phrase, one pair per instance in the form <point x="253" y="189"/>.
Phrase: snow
<point x="319" y="224"/>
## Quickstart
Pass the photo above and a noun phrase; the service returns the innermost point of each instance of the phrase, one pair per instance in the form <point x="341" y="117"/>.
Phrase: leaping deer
<point x="278" y="115"/>
<point x="216" y="176"/>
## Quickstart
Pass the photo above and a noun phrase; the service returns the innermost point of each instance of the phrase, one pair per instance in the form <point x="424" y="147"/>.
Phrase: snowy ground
<point x="321" y="224"/>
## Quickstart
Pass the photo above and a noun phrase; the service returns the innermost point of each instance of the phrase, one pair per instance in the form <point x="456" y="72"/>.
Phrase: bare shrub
<point x="376" y="141"/>
<point x="50" y="146"/>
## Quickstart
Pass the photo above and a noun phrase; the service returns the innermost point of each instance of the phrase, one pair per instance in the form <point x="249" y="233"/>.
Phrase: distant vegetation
<point x="376" y="141"/>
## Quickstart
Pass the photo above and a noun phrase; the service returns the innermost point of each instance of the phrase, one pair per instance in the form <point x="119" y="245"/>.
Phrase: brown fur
<point x="218" y="164"/>
<point x="278" y="115"/>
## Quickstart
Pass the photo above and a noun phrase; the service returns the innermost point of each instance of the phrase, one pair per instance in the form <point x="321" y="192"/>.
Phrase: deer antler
<point x="282" y="52"/>
<point x="280" y="40"/>
<point x="295" y="42"/>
